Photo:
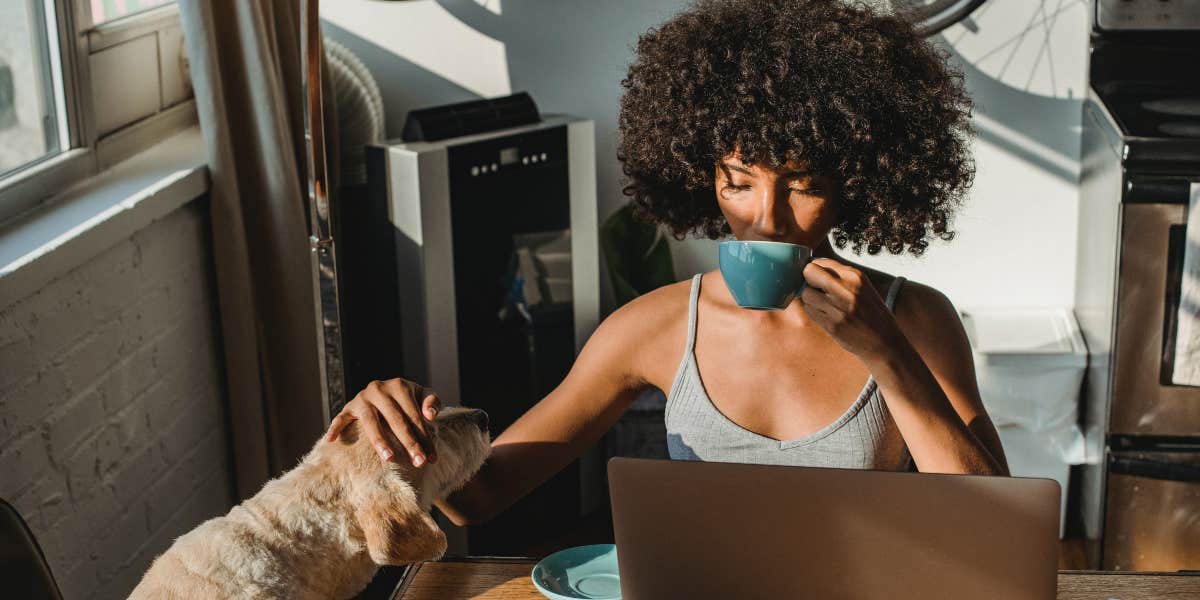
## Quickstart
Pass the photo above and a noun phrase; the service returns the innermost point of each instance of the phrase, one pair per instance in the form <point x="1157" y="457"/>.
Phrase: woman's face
<point x="785" y="205"/>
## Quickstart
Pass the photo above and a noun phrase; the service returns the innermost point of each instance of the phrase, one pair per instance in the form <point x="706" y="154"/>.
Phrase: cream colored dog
<point x="321" y="530"/>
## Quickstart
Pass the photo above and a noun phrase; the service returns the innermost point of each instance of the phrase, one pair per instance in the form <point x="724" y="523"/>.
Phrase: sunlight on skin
<point x="427" y="35"/>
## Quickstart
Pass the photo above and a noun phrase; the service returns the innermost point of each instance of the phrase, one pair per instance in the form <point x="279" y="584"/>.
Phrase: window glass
<point x="107" y="10"/>
<point x="29" y="125"/>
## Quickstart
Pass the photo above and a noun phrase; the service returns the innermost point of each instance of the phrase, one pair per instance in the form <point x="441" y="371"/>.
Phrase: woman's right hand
<point x="406" y="407"/>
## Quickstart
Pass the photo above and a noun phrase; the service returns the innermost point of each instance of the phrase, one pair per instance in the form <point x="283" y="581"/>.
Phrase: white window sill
<point x="47" y="241"/>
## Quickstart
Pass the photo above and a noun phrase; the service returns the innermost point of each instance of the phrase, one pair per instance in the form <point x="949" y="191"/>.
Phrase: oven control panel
<point x="1144" y="15"/>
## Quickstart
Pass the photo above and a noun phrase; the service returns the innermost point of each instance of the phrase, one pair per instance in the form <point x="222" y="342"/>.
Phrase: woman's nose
<point x="773" y="213"/>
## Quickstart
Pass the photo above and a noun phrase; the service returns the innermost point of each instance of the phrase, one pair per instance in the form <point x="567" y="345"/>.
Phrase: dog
<point x="322" y="529"/>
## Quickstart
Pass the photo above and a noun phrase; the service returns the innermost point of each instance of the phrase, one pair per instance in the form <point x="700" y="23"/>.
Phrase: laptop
<point x="700" y="530"/>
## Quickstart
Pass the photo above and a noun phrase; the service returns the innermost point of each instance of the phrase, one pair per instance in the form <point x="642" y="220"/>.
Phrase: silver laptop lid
<point x="719" y="530"/>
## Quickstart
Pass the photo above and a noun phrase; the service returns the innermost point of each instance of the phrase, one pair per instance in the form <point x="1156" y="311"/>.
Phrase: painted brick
<point x="78" y="582"/>
<point x="71" y="424"/>
<point x="129" y="379"/>
<point x="28" y="503"/>
<point x="46" y="501"/>
<point x="113" y="435"/>
<point x="211" y="452"/>
<point x="189" y="429"/>
<point x="211" y="499"/>
<point x="65" y="542"/>
<point x="133" y="477"/>
<point x="121" y="584"/>
<point x="177" y="486"/>
<point x="54" y="323"/>
<point x="11" y="327"/>
<point x="111" y="550"/>
<point x="27" y="406"/>
<point x="24" y="462"/>
<point x="110" y="286"/>
<point x="165" y="497"/>
<point x="90" y="358"/>
<point x="16" y="361"/>
<point x="148" y="317"/>
<point x="55" y="500"/>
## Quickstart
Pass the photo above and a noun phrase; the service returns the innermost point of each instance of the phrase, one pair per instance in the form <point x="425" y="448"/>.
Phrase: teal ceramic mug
<point x="763" y="275"/>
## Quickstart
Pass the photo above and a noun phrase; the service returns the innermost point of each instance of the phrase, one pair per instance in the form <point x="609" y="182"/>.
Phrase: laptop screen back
<point x="718" y="530"/>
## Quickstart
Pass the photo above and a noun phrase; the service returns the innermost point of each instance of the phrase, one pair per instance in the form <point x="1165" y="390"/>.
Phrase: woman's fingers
<point x="825" y="284"/>
<point x="374" y="431"/>
<point x="817" y="303"/>
<point x="401" y="427"/>
<point x="839" y="269"/>
<point x="840" y="283"/>
<point x="407" y="396"/>
<point x="420" y="430"/>
<point x="392" y="415"/>
<point x="431" y="405"/>
<point x="337" y="425"/>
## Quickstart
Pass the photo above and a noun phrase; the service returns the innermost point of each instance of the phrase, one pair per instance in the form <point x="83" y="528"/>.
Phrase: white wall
<point x="1025" y="67"/>
<point x="113" y="433"/>
<point x="570" y="55"/>
<point x="1026" y="70"/>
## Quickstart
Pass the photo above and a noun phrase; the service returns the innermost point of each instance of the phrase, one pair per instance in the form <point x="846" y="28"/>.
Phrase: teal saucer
<point x="579" y="572"/>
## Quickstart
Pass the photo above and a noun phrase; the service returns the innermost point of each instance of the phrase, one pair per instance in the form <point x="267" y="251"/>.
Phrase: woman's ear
<point x="396" y="530"/>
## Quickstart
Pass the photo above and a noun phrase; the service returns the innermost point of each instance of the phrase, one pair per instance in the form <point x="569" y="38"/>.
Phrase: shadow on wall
<point x="570" y="55"/>
<point x="1040" y="130"/>
<point x="1025" y="66"/>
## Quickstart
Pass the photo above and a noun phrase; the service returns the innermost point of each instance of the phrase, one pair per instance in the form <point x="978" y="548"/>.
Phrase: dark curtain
<point x="245" y="59"/>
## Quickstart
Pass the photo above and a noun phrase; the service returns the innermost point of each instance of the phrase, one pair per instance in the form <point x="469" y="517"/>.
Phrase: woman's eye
<point x="742" y="188"/>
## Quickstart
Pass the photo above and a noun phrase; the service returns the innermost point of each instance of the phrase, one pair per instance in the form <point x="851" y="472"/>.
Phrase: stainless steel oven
<point x="1140" y="492"/>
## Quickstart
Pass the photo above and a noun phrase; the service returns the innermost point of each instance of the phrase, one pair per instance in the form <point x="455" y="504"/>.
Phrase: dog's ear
<point x="397" y="531"/>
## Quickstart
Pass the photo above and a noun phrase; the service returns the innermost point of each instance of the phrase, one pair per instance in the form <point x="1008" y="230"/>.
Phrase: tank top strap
<point x="894" y="289"/>
<point x="693" y="300"/>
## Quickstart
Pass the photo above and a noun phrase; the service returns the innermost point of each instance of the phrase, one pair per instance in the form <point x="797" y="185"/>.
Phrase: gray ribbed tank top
<point x="864" y="437"/>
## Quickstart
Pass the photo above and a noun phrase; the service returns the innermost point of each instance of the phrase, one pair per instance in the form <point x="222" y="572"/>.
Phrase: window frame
<point x="86" y="152"/>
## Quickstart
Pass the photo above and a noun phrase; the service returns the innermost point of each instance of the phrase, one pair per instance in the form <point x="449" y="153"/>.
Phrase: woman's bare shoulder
<point x="652" y="313"/>
<point x="930" y="321"/>
<point x="923" y="306"/>
<point x="648" y="329"/>
<point x="920" y="309"/>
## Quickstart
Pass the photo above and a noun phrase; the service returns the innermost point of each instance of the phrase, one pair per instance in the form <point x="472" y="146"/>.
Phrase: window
<point x="107" y="10"/>
<point x="29" y="98"/>
<point x="83" y="85"/>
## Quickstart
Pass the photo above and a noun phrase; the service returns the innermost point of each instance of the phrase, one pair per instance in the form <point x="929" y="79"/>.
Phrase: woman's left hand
<point x="843" y="302"/>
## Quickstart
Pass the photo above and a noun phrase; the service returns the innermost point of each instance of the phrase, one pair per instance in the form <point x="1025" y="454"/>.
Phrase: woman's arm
<point x="921" y="360"/>
<point x="604" y="380"/>
<point x="930" y="371"/>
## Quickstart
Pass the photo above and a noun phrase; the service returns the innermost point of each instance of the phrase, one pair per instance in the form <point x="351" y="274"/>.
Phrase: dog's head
<point x="391" y="500"/>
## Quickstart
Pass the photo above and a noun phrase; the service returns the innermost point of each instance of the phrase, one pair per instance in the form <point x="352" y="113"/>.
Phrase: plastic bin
<point x="1030" y="365"/>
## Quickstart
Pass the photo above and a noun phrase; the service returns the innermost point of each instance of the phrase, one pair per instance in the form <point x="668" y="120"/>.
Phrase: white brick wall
<point x="113" y="432"/>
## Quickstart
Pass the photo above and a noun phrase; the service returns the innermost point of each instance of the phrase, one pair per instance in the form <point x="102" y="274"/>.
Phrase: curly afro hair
<point x="848" y="92"/>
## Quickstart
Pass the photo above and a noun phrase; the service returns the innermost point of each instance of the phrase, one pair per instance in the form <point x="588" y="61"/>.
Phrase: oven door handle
<point x="1153" y="469"/>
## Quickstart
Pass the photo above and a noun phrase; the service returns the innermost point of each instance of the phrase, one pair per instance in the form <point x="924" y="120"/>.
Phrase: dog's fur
<point x="321" y="530"/>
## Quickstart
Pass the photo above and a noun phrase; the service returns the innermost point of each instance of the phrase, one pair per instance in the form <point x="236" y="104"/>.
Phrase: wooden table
<point x="508" y="579"/>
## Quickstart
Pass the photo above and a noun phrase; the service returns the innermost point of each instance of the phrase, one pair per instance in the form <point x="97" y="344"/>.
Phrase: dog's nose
<point x="480" y="419"/>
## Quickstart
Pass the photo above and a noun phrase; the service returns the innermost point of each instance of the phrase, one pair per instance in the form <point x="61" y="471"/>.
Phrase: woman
<point x="783" y="120"/>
